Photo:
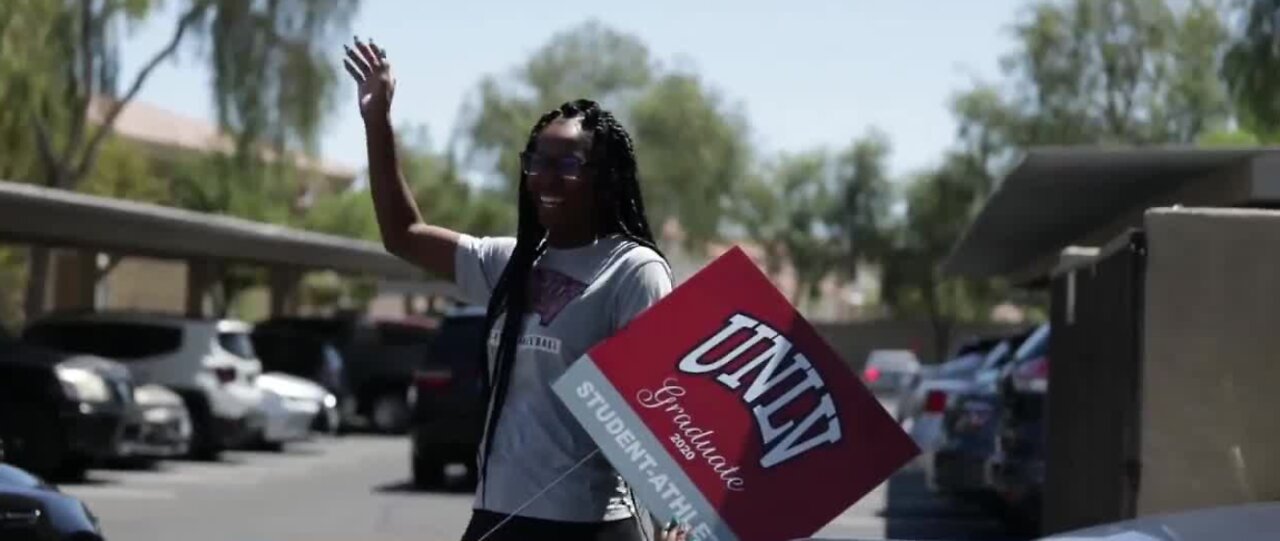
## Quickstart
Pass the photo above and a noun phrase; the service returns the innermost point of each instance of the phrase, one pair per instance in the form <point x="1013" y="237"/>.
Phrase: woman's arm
<point x="404" y="232"/>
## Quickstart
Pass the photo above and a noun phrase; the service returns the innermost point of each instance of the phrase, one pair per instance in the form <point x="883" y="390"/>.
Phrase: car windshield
<point x="961" y="366"/>
<point x="119" y="341"/>
<point x="238" y="344"/>
<point x="1035" y="345"/>
<point x="997" y="356"/>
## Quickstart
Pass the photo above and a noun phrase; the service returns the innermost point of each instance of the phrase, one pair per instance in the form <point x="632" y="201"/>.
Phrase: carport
<point x="1163" y="286"/>
<point x="61" y="219"/>
<point x="1057" y="197"/>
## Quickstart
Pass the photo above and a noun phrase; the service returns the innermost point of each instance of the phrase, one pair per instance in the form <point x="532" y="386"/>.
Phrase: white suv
<point x="209" y="362"/>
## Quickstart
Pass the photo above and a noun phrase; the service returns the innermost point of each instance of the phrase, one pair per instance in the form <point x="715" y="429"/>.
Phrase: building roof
<point x="34" y="214"/>
<point x="1057" y="196"/>
<point x="148" y="124"/>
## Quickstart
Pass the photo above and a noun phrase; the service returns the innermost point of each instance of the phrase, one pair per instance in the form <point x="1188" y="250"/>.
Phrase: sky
<point x="806" y="73"/>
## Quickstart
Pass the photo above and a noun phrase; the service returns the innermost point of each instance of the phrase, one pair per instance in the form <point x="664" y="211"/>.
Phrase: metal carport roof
<point x="1057" y="196"/>
<point x="34" y="214"/>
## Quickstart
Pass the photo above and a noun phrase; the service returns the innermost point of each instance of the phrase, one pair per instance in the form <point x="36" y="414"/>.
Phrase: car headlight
<point x="147" y="396"/>
<point x="82" y="385"/>
<point x="330" y="401"/>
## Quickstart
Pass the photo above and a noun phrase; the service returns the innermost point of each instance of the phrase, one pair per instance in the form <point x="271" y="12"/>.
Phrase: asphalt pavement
<point x="356" y="488"/>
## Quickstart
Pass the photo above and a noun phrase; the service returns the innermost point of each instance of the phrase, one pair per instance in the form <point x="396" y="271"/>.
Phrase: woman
<point x="583" y="264"/>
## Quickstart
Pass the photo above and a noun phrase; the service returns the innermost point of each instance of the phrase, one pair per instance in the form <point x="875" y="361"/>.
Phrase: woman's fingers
<point x="355" y="74"/>
<point x="356" y="61"/>
<point x="367" y="54"/>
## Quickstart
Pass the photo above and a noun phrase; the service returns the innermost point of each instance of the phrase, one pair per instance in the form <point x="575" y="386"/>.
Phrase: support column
<point x="75" y="280"/>
<point x="202" y="274"/>
<point x="283" y="286"/>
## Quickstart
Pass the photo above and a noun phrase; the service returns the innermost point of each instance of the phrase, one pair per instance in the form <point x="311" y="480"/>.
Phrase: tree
<point x="125" y="172"/>
<point x="785" y="209"/>
<point x="691" y="147"/>
<point x="586" y="61"/>
<point x="1251" y="68"/>
<point x="62" y="67"/>
<point x="692" y="153"/>
<point x="1110" y="72"/>
<point x="940" y="204"/>
<point x="863" y="199"/>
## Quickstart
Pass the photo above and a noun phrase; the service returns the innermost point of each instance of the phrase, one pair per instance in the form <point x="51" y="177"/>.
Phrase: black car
<point x="970" y="424"/>
<point x="448" y="399"/>
<point x="1017" y="467"/>
<point x="32" y="510"/>
<point x="306" y="355"/>
<point x="60" y="412"/>
<point x="380" y="357"/>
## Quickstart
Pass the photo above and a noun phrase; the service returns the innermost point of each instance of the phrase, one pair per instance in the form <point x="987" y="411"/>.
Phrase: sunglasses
<point x="569" y="167"/>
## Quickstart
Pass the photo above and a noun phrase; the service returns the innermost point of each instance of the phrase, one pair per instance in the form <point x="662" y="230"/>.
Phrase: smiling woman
<point x="581" y="265"/>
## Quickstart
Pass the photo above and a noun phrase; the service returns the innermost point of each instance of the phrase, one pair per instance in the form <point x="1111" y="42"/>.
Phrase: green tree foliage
<point x="784" y="211"/>
<point x="1099" y="72"/>
<point x="125" y="172"/>
<point x="821" y="213"/>
<point x="586" y="61"/>
<point x="692" y="154"/>
<point x="939" y="206"/>
<point x="1252" y="68"/>
<point x="692" y="147"/>
<point x="862" y="197"/>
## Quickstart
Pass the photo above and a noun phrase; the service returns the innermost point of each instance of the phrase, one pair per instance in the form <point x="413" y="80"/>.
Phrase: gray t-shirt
<point x="581" y="296"/>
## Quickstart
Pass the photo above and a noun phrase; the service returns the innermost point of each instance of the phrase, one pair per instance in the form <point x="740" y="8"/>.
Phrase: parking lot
<point x="357" y="487"/>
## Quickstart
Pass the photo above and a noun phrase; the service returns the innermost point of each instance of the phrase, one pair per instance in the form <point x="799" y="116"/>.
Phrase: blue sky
<point x="807" y="73"/>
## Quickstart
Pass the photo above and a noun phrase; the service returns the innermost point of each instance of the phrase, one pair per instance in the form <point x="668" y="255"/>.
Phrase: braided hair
<point x="619" y="210"/>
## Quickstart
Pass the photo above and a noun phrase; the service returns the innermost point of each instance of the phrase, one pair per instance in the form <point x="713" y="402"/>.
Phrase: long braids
<point x="619" y="211"/>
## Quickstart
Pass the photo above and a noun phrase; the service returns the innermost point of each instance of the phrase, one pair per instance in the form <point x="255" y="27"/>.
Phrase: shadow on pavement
<point x="913" y="512"/>
<point x="132" y="465"/>
<point x="408" y="487"/>
<point x="89" y="480"/>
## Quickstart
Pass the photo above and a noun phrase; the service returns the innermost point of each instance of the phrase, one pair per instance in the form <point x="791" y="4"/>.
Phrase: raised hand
<point x="368" y="65"/>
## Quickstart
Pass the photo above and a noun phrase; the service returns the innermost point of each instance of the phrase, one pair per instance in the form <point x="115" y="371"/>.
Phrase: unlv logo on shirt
<point x="552" y="291"/>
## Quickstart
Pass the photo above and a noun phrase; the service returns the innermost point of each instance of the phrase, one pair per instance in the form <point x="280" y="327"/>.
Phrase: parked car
<point x="305" y="355"/>
<point x="969" y="426"/>
<point x="1016" y="469"/>
<point x="31" y="509"/>
<point x="1244" y="522"/>
<point x="200" y="359"/>
<point x="890" y="371"/>
<point x="59" y="412"/>
<point x="380" y="357"/>
<point x="922" y="407"/>
<point x="448" y="399"/>
<point x="290" y="406"/>
<point x="163" y="428"/>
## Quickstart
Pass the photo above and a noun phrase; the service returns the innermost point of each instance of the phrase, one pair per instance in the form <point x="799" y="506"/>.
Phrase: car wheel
<point x="390" y="413"/>
<point x="428" y="471"/>
<point x="204" y="444"/>
<point x="72" y="469"/>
